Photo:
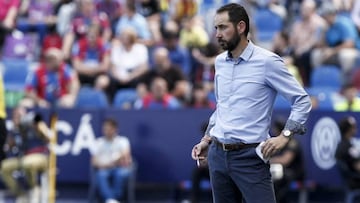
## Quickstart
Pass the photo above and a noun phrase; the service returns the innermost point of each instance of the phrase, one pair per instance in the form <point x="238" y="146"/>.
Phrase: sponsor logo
<point x="324" y="140"/>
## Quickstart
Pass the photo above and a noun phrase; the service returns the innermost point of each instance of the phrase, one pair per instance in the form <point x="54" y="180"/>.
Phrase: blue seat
<point x="326" y="76"/>
<point x="15" y="72"/>
<point x="267" y="24"/>
<point x="125" y="98"/>
<point x="323" y="96"/>
<point x="91" y="98"/>
<point x="211" y="96"/>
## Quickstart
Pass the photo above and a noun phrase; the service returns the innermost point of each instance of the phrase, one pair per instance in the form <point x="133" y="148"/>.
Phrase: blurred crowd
<point x="160" y="53"/>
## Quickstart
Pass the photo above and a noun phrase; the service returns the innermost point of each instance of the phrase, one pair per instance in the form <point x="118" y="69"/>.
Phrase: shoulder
<point x="264" y="52"/>
<point x="99" y="141"/>
<point x="139" y="46"/>
<point x="120" y="139"/>
<point x="221" y="58"/>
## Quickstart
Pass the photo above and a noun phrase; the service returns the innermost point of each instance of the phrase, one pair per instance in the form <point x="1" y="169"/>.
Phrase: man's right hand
<point x="199" y="153"/>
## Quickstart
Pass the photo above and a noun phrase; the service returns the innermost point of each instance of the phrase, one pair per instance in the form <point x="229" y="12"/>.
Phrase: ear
<point x="241" y="26"/>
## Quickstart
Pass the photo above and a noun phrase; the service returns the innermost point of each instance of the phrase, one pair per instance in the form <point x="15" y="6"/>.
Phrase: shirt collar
<point x="245" y="55"/>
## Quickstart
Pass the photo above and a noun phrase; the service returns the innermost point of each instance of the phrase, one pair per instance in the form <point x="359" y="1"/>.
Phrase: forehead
<point x="221" y="19"/>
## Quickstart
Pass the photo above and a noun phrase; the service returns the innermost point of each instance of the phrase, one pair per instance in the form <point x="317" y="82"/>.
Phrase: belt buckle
<point x="224" y="147"/>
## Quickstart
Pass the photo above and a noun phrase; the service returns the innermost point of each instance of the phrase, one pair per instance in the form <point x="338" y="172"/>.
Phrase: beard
<point x="231" y="44"/>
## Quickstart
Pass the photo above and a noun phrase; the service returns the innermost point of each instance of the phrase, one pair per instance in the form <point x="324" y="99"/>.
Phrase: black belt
<point x="235" y="146"/>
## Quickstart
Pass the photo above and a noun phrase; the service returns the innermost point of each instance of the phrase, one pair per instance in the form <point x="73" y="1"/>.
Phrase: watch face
<point x="287" y="133"/>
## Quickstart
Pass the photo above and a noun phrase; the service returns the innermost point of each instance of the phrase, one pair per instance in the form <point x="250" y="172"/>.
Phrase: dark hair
<point x="236" y="14"/>
<point x="130" y="5"/>
<point x="111" y="121"/>
<point x="346" y="124"/>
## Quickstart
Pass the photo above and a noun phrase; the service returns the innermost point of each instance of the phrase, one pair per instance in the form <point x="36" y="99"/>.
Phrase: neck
<point x="240" y="47"/>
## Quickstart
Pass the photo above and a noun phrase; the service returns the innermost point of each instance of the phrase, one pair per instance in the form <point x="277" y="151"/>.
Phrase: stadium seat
<point x="14" y="73"/>
<point x="326" y="76"/>
<point x="21" y="45"/>
<point x="211" y="96"/>
<point x="125" y="98"/>
<point x="91" y="98"/>
<point x="324" y="96"/>
<point x="266" y="28"/>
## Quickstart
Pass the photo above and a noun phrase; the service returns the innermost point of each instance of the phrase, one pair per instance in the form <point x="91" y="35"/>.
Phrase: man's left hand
<point x="273" y="145"/>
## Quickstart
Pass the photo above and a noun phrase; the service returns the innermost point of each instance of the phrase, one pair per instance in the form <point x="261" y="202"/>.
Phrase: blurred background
<point x="149" y="65"/>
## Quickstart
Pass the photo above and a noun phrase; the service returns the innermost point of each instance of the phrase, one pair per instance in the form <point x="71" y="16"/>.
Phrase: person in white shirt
<point x="111" y="159"/>
<point x="129" y="60"/>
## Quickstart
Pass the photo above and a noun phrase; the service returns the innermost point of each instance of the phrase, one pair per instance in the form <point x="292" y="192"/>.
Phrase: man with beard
<point x="237" y="144"/>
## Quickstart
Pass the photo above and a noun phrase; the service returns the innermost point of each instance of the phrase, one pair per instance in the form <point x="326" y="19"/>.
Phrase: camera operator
<point x="27" y="151"/>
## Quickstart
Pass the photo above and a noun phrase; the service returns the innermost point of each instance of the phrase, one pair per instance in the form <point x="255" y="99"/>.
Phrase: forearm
<point x="106" y="36"/>
<point x="33" y="96"/>
<point x="139" y="71"/>
<point x="67" y="44"/>
<point x="74" y="85"/>
<point x="345" y="45"/>
<point x="82" y="68"/>
<point x="105" y="64"/>
<point x="9" y="20"/>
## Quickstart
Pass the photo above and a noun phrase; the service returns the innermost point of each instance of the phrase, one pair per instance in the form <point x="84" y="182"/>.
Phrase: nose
<point x="218" y="34"/>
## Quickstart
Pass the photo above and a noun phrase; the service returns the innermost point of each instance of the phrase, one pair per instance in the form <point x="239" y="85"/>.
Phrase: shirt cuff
<point x="295" y="127"/>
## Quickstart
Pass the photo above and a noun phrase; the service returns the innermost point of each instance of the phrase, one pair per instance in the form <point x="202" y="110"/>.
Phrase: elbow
<point x="308" y="103"/>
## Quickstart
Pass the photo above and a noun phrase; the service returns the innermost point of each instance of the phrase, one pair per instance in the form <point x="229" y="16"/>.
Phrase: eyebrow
<point x="220" y="25"/>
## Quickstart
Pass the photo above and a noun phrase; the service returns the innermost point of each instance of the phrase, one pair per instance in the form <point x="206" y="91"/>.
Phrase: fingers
<point x="268" y="149"/>
<point x="195" y="152"/>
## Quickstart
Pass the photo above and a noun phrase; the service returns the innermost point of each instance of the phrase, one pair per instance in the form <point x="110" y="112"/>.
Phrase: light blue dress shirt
<point x="245" y="91"/>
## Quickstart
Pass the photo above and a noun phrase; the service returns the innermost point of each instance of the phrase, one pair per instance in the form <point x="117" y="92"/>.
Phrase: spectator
<point x="112" y="160"/>
<point x="131" y="18"/>
<point x="282" y="48"/>
<point x="344" y="6"/>
<point x="355" y="14"/>
<point x="350" y="101"/>
<point x="181" y="9"/>
<point x="52" y="83"/>
<point x="341" y="41"/>
<point x="112" y="8"/>
<point x="193" y="33"/>
<point x="150" y="9"/>
<point x="91" y="59"/>
<point x="27" y="151"/>
<point x="8" y="14"/>
<point x="205" y="69"/>
<point x="178" y="54"/>
<point x="86" y="16"/>
<point x="175" y="78"/>
<point x="290" y="160"/>
<point x="129" y="60"/>
<point x="37" y="15"/>
<point x="347" y="153"/>
<point x="302" y="43"/>
<point x="158" y="98"/>
<point x="65" y="11"/>
<point x="199" y="97"/>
